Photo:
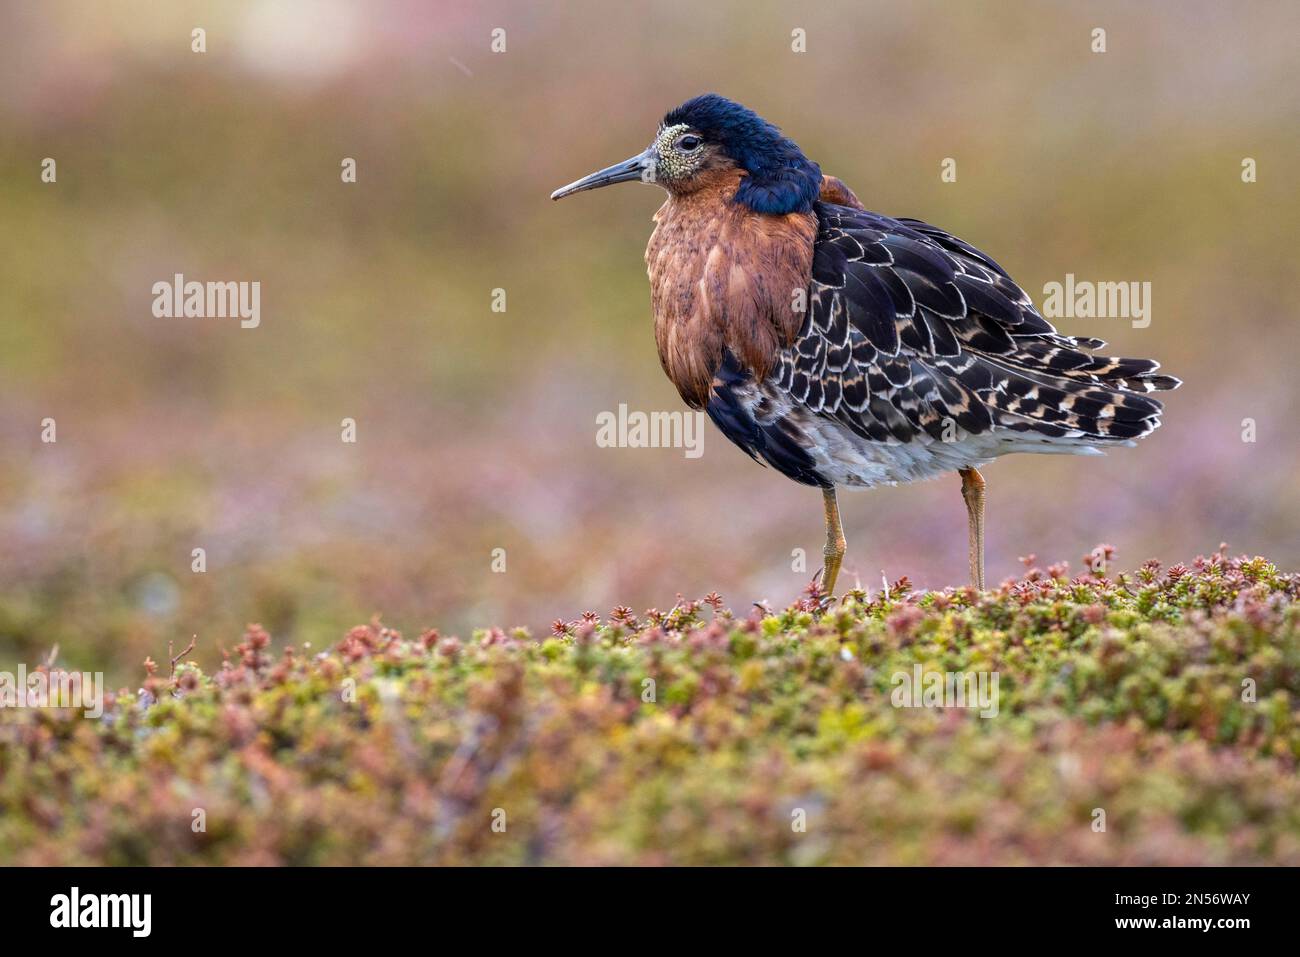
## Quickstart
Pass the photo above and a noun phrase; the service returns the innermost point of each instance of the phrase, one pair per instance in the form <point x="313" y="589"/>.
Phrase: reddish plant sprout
<point x="1093" y="614"/>
<point x="718" y="632"/>
<point x="683" y="614"/>
<point x="285" y="668"/>
<point x="357" y="643"/>
<point x="812" y="599"/>
<point x="1032" y="587"/>
<point x="153" y="686"/>
<point x="900" y="588"/>
<point x="652" y="635"/>
<point x="903" y="623"/>
<point x="494" y="636"/>
<point x="257" y="637"/>
<point x="1149" y="572"/>
<point x="329" y="668"/>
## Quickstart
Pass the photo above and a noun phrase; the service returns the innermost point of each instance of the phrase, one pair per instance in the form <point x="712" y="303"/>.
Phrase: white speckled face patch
<point x="681" y="153"/>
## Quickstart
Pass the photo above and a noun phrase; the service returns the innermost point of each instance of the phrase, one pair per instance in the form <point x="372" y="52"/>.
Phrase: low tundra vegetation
<point x="1141" y="718"/>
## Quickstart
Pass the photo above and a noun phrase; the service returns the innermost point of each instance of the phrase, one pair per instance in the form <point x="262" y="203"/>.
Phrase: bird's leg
<point x="972" y="490"/>
<point x="835" y="544"/>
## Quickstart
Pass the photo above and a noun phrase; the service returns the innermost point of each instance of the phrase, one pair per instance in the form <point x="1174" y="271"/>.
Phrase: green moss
<point x="1168" y="700"/>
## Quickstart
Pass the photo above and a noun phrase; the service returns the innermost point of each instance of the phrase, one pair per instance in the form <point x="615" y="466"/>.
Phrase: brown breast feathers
<point x="724" y="276"/>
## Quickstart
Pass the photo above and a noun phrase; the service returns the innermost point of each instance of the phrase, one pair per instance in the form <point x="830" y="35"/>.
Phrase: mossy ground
<point x="1165" y="698"/>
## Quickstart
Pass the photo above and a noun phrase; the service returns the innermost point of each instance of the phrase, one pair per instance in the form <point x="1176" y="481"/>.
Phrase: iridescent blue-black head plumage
<point x="781" y="179"/>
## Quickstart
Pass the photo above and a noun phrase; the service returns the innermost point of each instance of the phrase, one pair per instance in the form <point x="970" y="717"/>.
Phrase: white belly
<point x="848" y="459"/>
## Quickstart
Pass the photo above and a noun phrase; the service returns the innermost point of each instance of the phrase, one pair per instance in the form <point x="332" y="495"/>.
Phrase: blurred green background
<point x="476" y="429"/>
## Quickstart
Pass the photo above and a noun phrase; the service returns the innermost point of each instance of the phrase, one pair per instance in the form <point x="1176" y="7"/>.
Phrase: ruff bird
<point x="847" y="348"/>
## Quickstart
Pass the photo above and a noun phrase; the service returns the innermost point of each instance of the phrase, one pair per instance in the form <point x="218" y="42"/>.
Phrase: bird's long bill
<point x="635" y="168"/>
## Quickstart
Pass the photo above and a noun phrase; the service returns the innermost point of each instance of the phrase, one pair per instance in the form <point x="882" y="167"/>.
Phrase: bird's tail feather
<point x="1054" y="390"/>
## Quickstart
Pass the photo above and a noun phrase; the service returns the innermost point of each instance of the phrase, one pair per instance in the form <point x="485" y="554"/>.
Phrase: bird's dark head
<point x="708" y="136"/>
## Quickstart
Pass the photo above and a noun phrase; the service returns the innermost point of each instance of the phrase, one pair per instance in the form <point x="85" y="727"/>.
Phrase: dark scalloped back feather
<point x="909" y="327"/>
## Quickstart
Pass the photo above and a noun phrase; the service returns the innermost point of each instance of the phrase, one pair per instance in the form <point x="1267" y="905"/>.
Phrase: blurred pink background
<point x="476" y="429"/>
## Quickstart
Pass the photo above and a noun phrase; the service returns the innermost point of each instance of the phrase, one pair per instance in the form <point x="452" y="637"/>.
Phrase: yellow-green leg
<point x="835" y="544"/>
<point x="972" y="490"/>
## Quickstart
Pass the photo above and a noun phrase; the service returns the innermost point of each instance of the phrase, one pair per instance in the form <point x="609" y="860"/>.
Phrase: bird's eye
<point x="689" y="143"/>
